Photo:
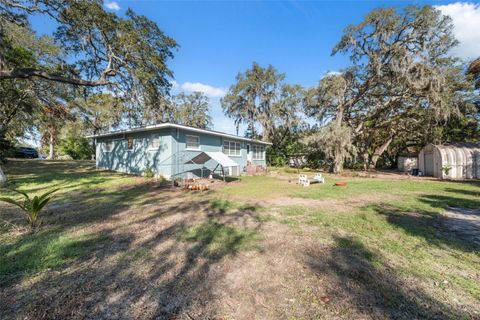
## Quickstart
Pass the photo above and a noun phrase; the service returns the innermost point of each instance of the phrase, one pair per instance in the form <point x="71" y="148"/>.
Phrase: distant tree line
<point x="403" y="89"/>
<point x="99" y="71"/>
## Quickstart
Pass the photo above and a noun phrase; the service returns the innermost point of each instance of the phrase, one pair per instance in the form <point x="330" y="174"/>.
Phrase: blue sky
<point x="219" y="39"/>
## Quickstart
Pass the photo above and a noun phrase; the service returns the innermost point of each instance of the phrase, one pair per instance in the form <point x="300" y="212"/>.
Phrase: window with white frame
<point x="193" y="142"/>
<point x="108" y="145"/>
<point x="258" y="152"/>
<point x="231" y="148"/>
<point x="130" y="143"/>
<point x="154" y="142"/>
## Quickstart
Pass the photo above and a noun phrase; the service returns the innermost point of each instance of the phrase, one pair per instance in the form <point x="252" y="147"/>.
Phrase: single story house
<point x="172" y="150"/>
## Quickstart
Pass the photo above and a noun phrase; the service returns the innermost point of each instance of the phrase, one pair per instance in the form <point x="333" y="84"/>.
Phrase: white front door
<point x="249" y="153"/>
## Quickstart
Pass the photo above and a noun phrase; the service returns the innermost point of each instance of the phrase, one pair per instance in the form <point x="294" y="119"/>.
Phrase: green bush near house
<point x="148" y="172"/>
<point x="162" y="180"/>
<point x="78" y="148"/>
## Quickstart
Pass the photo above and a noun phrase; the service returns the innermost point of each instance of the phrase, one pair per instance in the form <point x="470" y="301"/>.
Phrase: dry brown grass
<point x="161" y="253"/>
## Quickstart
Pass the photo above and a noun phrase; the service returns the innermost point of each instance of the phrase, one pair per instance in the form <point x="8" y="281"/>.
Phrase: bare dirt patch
<point x="465" y="223"/>
<point x="328" y="204"/>
<point x="170" y="254"/>
<point x="295" y="201"/>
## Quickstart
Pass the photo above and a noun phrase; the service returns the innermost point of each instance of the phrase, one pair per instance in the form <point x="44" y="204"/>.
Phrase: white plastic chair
<point x="303" y="180"/>
<point x="318" y="177"/>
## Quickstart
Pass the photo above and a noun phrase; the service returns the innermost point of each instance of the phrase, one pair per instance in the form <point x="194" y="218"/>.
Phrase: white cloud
<point x="332" y="73"/>
<point x="466" y="22"/>
<point x="112" y="5"/>
<point x="205" y="88"/>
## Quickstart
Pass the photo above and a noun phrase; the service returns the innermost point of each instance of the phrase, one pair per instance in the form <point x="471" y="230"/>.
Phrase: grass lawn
<point x="117" y="246"/>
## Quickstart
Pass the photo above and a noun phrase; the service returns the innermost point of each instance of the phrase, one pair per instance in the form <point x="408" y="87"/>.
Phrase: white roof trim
<point x="178" y="126"/>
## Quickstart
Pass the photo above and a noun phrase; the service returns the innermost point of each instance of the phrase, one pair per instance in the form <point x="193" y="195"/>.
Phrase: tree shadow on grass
<point x="42" y="169"/>
<point x="429" y="225"/>
<point x="160" y="265"/>
<point x="363" y="281"/>
<point x="471" y="182"/>
<point x="56" y="174"/>
<point x="37" y="252"/>
<point x="475" y="193"/>
<point x="441" y="201"/>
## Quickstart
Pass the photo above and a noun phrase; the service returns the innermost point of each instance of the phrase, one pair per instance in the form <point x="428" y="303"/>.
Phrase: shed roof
<point x="473" y="145"/>
<point x="219" y="157"/>
<point x="179" y="126"/>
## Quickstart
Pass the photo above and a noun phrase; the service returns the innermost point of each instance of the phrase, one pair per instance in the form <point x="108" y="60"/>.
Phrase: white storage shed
<point x="450" y="161"/>
<point x="406" y="163"/>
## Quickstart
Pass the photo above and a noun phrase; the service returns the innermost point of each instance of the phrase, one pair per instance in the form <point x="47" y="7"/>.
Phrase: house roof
<point x="219" y="157"/>
<point x="178" y="126"/>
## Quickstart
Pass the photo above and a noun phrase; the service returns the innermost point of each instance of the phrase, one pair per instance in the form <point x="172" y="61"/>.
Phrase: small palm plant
<point x="31" y="206"/>
<point x="446" y="169"/>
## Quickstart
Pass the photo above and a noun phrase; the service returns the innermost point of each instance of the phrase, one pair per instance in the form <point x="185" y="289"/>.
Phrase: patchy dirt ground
<point x="144" y="271"/>
<point x="162" y="253"/>
<point x="463" y="222"/>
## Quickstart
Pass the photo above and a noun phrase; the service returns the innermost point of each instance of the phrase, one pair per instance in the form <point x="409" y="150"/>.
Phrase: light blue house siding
<point x="135" y="160"/>
<point x="170" y="158"/>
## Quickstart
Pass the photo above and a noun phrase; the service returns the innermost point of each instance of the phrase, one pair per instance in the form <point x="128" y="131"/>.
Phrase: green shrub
<point x="31" y="206"/>
<point x="446" y="169"/>
<point x="148" y="172"/>
<point x="78" y="148"/>
<point x="276" y="158"/>
<point x="162" y="180"/>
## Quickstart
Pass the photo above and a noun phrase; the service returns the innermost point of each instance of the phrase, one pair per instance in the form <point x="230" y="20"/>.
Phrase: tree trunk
<point x="378" y="152"/>
<point x="337" y="166"/>
<point x="4" y="146"/>
<point x="3" y="63"/>
<point x="3" y="178"/>
<point x="365" y="161"/>
<point x="338" y="160"/>
<point x="51" y="154"/>
<point x="372" y="165"/>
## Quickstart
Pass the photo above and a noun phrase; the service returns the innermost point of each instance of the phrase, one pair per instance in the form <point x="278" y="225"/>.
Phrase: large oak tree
<point x="402" y="80"/>
<point x="91" y="48"/>
<point x="265" y="103"/>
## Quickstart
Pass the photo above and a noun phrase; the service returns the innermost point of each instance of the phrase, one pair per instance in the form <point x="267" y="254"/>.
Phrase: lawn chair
<point x="318" y="178"/>
<point x="303" y="180"/>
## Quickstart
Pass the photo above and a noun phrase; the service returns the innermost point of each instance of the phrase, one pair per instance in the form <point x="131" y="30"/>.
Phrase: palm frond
<point x="42" y="203"/>
<point x="22" y="193"/>
<point x="43" y="196"/>
<point x="14" y="202"/>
